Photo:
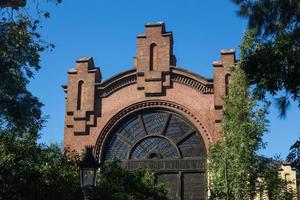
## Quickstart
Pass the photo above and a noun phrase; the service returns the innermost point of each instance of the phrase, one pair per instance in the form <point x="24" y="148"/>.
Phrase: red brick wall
<point x="102" y="101"/>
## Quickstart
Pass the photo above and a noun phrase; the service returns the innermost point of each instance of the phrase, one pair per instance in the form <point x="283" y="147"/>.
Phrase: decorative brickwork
<point x="80" y="110"/>
<point x="92" y="104"/>
<point x="154" y="58"/>
<point x="95" y="110"/>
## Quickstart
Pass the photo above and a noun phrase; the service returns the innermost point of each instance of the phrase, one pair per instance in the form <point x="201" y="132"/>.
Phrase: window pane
<point x="87" y="177"/>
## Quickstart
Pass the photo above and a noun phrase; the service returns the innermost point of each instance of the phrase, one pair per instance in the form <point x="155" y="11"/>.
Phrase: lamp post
<point x="88" y="172"/>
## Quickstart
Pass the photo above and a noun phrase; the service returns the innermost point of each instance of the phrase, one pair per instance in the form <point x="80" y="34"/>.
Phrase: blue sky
<point x="107" y="29"/>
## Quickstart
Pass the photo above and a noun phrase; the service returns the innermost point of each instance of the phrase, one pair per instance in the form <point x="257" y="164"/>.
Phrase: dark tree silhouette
<point x="272" y="59"/>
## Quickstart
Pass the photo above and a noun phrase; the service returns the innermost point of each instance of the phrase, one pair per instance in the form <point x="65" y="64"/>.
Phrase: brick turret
<point x="221" y="80"/>
<point x="154" y="58"/>
<point x="80" y="108"/>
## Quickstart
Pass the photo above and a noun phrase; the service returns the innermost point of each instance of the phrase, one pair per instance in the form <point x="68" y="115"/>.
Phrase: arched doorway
<point x="165" y="143"/>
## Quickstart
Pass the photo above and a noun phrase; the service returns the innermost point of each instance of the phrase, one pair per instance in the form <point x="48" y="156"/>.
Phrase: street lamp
<point x="88" y="172"/>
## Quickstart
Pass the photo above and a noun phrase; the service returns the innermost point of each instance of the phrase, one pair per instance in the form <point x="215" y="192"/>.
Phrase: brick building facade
<point x="155" y="115"/>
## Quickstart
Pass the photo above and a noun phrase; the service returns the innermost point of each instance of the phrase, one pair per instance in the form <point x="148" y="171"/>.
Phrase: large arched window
<point x="153" y="57"/>
<point x="165" y="143"/>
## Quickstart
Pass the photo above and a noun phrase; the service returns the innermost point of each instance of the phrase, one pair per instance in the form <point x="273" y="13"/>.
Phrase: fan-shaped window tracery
<point x="154" y="134"/>
<point x="166" y="144"/>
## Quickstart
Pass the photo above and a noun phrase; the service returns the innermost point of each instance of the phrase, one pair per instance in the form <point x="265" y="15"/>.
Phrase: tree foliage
<point x="20" y="49"/>
<point x="29" y="171"/>
<point x="272" y="60"/>
<point x="36" y="172"/>
<point x="294" y="155"/>
<point x="236" y="171"/>
<point x="233" y="164"/>
<point x="270" y="184"/>
<point x="116" y="183"/>
<point x="16" y="4"/>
